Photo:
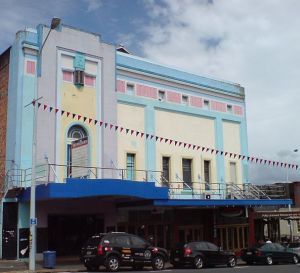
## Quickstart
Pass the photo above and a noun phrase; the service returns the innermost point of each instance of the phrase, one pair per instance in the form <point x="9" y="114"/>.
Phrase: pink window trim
<point x="238" y="110"/>
<point x="218" y="106"/>
<point x="146" y="91"/>
<point x="30" y="67"/>
<point x="173" y="97"/>
<point x="196" y="102"/>
<point x="121" y="86"/>
<point x="89" y="80"/>
<point x="67" y="76"/>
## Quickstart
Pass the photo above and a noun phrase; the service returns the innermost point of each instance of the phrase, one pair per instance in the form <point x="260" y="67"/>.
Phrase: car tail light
<point x="155" y="250"/>
<point x="187" y="251"/>
<point x="258" y="253"/>
<point x="100" y="250"/>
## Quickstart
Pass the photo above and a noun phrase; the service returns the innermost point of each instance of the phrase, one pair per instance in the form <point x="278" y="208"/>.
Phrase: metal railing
<point x="49" y="173"/>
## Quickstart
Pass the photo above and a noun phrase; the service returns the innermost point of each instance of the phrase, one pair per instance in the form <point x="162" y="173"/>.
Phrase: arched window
<point x="77" y="134"/>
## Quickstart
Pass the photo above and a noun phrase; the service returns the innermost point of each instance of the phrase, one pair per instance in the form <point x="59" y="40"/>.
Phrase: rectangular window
<point x="229" y="108"/>
<point x="130" y="88"/>
<point x="166" y="168"/>
<point x="79" y="77"/>
<point x="30" y="67"/>
<point x="207" y="174"/>
<point x="185" y="100"/>
<point x="187" y="172"/>
<point x="89" y="80"/>
<point x="206" y="104"/>
<point x="130" y="166"/>
<point x="233" y="172"/>
<point x="161" y="95"/>
<point x="67" y="76"/>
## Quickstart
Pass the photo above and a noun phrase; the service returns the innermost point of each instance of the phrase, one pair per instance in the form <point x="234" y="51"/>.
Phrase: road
<point x="287" y="268"/>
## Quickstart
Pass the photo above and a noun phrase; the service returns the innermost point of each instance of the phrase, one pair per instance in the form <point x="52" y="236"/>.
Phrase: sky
<point x="250" y="42"/>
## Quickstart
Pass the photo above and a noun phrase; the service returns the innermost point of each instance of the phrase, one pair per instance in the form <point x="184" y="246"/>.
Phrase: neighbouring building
<point x="123" y="144"/>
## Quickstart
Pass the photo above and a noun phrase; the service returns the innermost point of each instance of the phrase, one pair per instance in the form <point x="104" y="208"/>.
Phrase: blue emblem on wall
<point x="79" y="62"/>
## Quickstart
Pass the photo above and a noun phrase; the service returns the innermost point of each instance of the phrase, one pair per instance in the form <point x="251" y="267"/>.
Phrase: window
<point x="207" y="174"/>
<point x="79" y="77"/>
<point x="161" y="95"/>
<point x="206" y="104"/>
<point x="229" y="108"/>
<point x="187" y="172"/>
<point x="138" y="242"/>
<point x="166" y="168"/>
<point x="122" y="241"/>
<point x="130" y="88"/>
<point x="233" y="172"/>
<point x="185" y="100"/>
<point x="76" y="132"/>
<point x="130" y="166"/>
<point x="89" y="80"/>
<point x="212" y="246"/>
<point x="67" y="76"/>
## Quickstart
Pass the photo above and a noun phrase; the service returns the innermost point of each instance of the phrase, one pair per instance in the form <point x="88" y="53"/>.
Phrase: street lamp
<point x="287" y="169"/>
<point x="33" y="221"/>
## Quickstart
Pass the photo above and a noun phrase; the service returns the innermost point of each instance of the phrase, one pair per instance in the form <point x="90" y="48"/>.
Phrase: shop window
<point x="187" y="172"/>
<point x="130" y="166"/>
<point x="207" y="174"/>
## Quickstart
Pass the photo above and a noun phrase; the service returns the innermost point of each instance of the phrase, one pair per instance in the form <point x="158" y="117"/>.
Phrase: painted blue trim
<point x="219" y="137"/>
<point x="82" y="188"/>
<point x="143" y="65"/>
<point x="222" y="202"/>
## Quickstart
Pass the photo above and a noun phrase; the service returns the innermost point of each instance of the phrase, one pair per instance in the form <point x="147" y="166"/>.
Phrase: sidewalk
<point x="64" y="264"/>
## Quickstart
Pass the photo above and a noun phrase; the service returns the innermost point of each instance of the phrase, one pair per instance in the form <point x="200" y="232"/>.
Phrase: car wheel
<point x="198" y="262"/>
<point x="231" y="262"/>
<point x="158" y="263"/>
<point x="112" y="264"/>
<point x="295" y="259"/>
<point x="269" y="260"/>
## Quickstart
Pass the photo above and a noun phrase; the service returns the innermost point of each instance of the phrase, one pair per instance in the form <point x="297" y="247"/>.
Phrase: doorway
<point x="190" y="233"/>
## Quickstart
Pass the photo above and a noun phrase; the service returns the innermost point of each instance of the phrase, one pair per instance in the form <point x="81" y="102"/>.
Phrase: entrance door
<point x="9" y="231"/>
<point x="190" y="233"/>
<point x="187" y="172"/>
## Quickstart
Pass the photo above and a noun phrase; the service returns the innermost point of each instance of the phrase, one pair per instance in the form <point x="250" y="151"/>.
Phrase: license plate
<point x="249" y="253"/>
<point x="89" y="252"/>
<point x="176" y="259"/>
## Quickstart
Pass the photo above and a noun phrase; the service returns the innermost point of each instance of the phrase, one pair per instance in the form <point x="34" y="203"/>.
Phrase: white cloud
<point x="256" y="44"/>
<point x="93" y="5"/>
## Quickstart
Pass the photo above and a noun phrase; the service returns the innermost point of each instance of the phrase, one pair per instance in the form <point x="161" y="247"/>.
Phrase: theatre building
<point x="123" y="144"/>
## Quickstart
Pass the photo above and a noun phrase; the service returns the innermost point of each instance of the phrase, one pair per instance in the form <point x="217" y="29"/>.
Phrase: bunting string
<point x="160" y="139"/>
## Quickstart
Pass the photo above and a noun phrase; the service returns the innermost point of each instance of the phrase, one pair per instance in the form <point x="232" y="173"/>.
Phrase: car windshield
<point x="93" y="241"/>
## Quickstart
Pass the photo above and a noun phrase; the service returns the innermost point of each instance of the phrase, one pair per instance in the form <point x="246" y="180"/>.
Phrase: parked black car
<point x="199" y="254"/>
<point x="268" y="253"/>
<point x="117" y="249"/>
<point x="295" y="247"/>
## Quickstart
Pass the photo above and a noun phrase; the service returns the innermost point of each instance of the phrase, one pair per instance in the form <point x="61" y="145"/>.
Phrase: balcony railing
<point x="178" y="189"/>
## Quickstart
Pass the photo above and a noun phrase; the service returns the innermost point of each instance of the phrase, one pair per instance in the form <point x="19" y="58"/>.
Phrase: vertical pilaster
<point x="150" y="157"/>
<point x="219" y="146"/>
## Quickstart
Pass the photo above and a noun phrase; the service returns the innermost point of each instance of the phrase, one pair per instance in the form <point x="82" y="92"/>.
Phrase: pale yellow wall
<point x="131" y="117"/>
<point x="232" y="144"/>
<point x="189" y="129"/>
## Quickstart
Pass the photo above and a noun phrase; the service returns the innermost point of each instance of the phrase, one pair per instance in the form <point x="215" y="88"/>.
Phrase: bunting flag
<point x="168" y="141"/>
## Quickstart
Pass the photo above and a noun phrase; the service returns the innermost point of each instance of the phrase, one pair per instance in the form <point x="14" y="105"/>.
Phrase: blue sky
<point x="251" y="42"/>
